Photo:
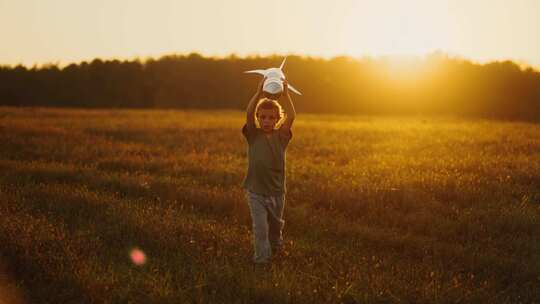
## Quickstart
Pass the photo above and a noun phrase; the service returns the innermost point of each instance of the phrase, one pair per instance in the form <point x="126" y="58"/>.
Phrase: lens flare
<point x="137" y="256"/>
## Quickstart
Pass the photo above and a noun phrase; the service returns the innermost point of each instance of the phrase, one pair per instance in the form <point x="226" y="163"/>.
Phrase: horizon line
<point x="524" y="65"/>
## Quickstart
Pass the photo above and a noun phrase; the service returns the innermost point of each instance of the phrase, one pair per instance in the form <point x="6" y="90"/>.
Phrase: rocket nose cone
<point x="273" y="87"/>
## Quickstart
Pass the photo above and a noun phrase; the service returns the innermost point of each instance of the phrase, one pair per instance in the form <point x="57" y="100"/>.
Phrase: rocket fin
<point x="262" y="72"/>
<point x="282" y="63"/>
<point x="293" y="89"/>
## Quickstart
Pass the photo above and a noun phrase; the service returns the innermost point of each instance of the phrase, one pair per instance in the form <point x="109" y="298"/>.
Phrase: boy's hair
<point x="266" y="103"/>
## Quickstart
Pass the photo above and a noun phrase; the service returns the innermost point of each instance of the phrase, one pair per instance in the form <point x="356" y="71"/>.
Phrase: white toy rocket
<point x="273" y="85"/>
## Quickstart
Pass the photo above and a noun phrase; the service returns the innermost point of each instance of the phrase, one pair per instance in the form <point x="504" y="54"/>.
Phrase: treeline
<point x="434" y="84"/>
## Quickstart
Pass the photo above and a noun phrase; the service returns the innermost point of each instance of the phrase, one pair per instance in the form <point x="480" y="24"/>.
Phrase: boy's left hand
<point x="285" y="88"/>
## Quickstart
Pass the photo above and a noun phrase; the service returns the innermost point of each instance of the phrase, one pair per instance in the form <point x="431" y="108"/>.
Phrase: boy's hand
<point x="285" y="88"/>
<point x="260" y="86"/>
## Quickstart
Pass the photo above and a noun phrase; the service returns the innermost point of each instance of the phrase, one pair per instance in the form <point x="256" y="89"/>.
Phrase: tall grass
<point x="400" y="209"/>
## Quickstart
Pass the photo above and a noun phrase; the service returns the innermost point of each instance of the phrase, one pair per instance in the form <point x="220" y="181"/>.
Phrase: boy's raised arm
<point x="290" y="113"/>
<point x="250" y="111"/>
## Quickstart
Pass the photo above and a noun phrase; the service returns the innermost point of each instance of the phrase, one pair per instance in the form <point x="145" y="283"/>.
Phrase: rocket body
<point x="273" y="84"/>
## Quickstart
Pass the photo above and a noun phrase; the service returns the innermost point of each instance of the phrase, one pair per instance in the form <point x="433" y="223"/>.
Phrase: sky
<point x="64" y="31"/>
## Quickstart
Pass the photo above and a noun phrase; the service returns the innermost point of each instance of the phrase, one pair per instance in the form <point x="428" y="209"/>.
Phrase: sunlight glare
<point x="403" y="29"/>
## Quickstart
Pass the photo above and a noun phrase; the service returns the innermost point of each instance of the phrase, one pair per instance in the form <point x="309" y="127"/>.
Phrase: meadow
<point x="378" y="209"/>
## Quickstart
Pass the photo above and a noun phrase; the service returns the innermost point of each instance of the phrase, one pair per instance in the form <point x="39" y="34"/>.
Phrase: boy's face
<point x="267" y="119"/>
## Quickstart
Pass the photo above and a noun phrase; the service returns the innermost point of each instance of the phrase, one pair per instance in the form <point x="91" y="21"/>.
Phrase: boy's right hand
<point x="260" y="86"/>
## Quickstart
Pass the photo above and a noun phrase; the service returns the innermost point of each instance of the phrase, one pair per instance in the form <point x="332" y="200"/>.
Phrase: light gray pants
<point x="267" y="219"/>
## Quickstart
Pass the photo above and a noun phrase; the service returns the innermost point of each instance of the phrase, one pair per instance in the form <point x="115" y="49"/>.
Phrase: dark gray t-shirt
<point x="266" y="160"/>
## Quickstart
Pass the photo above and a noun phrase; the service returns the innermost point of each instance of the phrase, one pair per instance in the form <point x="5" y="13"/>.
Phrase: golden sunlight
<point x="404" y="69"/>
<point x="396" y="28"/>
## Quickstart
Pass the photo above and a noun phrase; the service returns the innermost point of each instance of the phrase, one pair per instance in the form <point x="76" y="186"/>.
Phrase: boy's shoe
<point x="262" y="265"/>
<point x="261" y="261"/>
<point x="277" y="249"/>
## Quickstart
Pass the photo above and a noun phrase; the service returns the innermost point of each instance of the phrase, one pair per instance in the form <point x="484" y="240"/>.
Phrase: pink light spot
<point x="137" y="256"/>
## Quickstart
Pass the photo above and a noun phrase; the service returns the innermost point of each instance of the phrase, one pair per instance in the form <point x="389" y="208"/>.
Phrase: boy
<point x="265" y="179"/>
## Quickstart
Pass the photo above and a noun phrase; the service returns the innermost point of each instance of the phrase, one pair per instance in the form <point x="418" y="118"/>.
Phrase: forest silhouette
<point x="433" y="84"/>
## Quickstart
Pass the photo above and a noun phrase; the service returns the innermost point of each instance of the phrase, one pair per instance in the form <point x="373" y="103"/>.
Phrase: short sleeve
<point x="249" y="133"/>
<point x="285" y="135"/>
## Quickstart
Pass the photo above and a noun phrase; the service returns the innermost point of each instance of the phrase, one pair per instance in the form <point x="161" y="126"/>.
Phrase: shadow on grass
<point x="180" y="255"/>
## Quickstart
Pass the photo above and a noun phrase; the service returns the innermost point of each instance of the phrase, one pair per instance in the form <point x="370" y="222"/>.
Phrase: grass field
<point x="379" y="210"/>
